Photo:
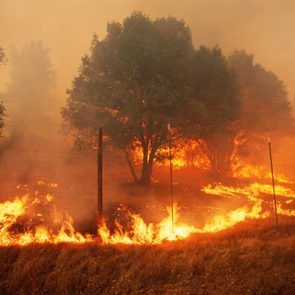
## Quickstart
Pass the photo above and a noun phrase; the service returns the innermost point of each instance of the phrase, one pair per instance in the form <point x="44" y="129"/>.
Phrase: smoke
<point x="264" y="28"/>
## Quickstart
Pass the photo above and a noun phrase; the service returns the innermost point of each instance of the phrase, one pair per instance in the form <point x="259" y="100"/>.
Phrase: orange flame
<point x="13" y="231"/>
<point x="142" y="233"/>
<point x="11" y="211"/>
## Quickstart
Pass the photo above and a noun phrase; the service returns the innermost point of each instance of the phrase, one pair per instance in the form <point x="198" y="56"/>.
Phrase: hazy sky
<point x="265" y="28"/>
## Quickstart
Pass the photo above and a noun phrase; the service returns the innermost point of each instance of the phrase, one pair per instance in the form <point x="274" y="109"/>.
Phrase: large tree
<point x="213" y="108"/>
<point x="132" y="83"/>
<point x="265" y="108"/>
<point x="235" y="104"/>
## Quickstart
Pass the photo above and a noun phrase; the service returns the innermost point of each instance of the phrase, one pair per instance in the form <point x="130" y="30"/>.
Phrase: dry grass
<point x="252" y="258"/>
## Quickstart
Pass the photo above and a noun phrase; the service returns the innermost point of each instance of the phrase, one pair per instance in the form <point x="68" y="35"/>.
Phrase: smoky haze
<point x="264" y="28"/>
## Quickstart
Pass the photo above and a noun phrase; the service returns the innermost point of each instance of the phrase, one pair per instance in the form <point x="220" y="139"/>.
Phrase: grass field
<point x="251" y="258"/>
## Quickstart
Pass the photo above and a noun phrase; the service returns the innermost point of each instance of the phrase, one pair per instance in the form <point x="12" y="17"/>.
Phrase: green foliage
<point x="132" y="84"/>
<point x="145" y="73"/>
<point x="213" y="107"/>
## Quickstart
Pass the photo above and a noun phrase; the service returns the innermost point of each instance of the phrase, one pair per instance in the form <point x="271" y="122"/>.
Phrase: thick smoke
<point x="264" y="28"/>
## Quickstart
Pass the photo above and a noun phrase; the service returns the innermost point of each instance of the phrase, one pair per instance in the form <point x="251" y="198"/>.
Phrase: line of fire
<point x="180" y="130"/>
<point x="155" y="162"/>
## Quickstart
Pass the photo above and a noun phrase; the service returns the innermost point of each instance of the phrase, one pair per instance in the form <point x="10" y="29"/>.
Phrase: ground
<point x="251" y="258"/>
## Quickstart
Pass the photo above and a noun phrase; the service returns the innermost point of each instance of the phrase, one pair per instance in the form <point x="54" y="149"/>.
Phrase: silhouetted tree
<point x="265" y="108"/>
<point x="133" y="83"/>
<point x="213" y="108"/>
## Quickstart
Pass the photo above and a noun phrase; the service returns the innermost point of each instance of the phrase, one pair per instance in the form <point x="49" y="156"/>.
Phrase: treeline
<point x="146" y="73"/>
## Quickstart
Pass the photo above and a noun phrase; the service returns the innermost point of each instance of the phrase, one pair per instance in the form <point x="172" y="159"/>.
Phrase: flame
<point x="222" y="222"/>
<point x="241" y="170"/>
<point x="184" y="154"/>
<point x="15" y="232"/>
<point x="33" y="218"/>
<point x="252" y="191"/>
<point x="286" y="212"/>
<point x="142" y="233"/>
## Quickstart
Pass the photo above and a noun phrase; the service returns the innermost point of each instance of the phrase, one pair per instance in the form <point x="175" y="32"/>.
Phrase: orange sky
<point x="262" y="27"/>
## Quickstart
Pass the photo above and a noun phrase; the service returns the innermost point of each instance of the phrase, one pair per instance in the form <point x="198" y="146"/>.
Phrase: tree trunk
<point x="146" y="174"/>
<point x="130" y="165"/>
<point x="145" y="179"/>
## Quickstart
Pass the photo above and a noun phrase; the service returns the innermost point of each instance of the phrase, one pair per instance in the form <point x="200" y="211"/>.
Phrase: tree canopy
<point x="213" y="107"/>
<point x="146" y="73"/>
<point x="132" y="84"/>
<point x="265" y="108"/>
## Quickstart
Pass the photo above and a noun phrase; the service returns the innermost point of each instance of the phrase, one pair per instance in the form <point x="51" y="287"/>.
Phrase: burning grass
<point x="33" y="218"/>
<point x="252" y="257"/>
<point x="236" y="251"/>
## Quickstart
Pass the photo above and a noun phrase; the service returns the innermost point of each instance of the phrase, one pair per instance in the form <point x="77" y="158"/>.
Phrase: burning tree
<point x="235" y="104"/>
<point x="265" y="108"/>
<point x="213" y="108"/>
<point x="132" y="83"/>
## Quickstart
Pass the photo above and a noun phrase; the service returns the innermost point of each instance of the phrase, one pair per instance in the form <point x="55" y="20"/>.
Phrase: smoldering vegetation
<point x="233" y="102"/>
<point x="224" y="119"/>
<point x="251" y="258"/>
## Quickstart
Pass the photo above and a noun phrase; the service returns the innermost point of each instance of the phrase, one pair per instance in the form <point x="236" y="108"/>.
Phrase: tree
<point x="132" y="83"/>
<point x="213" y="108"/>
<point x="29" y="94"/>
<point x="265" y="108"/>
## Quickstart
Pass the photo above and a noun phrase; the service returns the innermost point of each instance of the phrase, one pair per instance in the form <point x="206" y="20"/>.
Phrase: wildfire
<point x="22" y="223"/>
<point x="33" y="218"/>
<point x="252" y="191"/>
<point x="142" y="233"/>
<point x="222" y="222"/>
<point x="257" y="172"/>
